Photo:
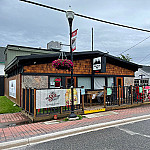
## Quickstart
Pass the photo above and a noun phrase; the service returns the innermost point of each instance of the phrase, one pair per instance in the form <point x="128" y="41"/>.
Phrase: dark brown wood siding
<point x="80" y="67"/>
<point x="18" y="89"/>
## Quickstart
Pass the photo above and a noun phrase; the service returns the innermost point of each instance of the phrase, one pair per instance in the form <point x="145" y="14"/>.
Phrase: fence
<point x="1" y="85"/>
<point x="117" y="95"/>
<point x="109" y="96"/>
<point x="30" y="104"/>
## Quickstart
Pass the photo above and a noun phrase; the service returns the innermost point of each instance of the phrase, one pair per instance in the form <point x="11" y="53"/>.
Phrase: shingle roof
<point x="2" y="56"/>
<point x="29" y="59"/>
<point x="146" y="69"/>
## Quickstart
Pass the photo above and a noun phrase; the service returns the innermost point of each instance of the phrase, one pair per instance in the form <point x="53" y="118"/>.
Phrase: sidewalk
<point x="13" y="133"/>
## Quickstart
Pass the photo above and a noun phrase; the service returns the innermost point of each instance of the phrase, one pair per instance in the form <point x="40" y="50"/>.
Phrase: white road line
<point x="133" y="133"/>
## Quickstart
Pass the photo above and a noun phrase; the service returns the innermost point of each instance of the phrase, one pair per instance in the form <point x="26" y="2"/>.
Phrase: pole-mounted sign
<point x="73" y="39"/>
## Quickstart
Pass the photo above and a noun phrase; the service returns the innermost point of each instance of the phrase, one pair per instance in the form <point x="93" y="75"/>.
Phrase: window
<point x="99" y="82"/>
<point x="55" y="82"/>
<point x="110" y="81"/>
<point x="144" y="82"/>
<point x="84" y="81"/>
<point x="136" y="82"/>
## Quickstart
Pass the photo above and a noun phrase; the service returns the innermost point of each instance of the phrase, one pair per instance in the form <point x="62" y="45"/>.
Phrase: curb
<point x="70" y="132"/>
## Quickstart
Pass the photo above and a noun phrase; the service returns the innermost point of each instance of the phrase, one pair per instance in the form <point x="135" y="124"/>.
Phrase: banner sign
<point x="12" y="88"/>
<point x="83" y="91"/>
<point x="73" y="39"/>
<point x="140" y="89"/>
<point x="56" y="97"/>
<point x="109" y="91"/>
<point x="97" y="64"/>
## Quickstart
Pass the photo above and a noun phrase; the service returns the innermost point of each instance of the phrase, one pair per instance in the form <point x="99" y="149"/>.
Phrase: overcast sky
<point x="29" y="25"/>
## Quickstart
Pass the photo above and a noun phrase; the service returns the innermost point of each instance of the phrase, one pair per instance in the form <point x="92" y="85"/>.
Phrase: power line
<point x="143" y="58"/>
<point x="134" y="45"/>
<point x="88" y="17"/>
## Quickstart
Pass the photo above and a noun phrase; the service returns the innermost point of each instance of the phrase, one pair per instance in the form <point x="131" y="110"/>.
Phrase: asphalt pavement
<point x="132" y="136"/>
<point x="29" y="134"/>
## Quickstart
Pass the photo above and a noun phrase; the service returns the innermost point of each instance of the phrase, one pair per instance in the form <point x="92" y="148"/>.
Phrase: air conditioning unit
<point x="54" y="45"/>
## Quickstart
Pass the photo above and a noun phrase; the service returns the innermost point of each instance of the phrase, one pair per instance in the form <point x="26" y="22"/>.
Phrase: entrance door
<point x="120" y="90"/>
<point x="119" y="81"/>
<point x="68" y="82"/>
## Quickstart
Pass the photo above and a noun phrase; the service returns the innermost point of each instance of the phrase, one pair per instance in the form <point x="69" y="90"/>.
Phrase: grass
<point x="6" y="106"/>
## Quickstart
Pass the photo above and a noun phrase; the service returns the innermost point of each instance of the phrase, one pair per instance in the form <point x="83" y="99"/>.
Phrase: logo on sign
<point x="52" y="97"/>
<point x="97" y="63"/>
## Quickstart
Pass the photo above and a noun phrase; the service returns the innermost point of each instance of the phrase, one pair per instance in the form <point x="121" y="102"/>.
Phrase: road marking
<point x="133" y="133"/>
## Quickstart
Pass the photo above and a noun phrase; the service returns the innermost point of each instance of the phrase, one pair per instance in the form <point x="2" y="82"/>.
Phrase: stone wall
<point x="128" y="81"/>
<point x="34" y="81"/>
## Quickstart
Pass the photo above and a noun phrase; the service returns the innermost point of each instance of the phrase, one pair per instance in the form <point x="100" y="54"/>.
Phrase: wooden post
<point x="119" y="95"/>
<point x="131" y="95"/>
<point x="61" y="109"/>
<point x="25" y="98"/>
<point x="34" y="102"/>
<point x="105" y="93"/>
<point x="29" y="98"/>
<point x="91" y="99"/>
<point x="83" y="103"/>
<point x="142" y="95"/>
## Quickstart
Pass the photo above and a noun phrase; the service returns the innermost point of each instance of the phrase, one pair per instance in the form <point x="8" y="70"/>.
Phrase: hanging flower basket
<point x="63" y="64"/>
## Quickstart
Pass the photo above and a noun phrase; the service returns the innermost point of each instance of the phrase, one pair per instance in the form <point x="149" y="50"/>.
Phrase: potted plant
<point x="63" y="64"/>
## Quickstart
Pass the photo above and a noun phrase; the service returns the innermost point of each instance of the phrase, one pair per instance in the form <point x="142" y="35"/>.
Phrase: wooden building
<point x="92" y="69"/>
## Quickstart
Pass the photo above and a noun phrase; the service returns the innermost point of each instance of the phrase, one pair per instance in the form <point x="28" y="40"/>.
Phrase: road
<point x="132" y="136"/>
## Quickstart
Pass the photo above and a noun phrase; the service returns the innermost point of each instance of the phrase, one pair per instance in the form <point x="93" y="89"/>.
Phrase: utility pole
<point x="92" y="38"/>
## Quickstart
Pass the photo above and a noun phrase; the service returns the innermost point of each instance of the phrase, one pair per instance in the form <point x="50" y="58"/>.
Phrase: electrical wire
<point x="135" y="45"/>
<point x="143" y="58"/>
<point x="87" y="17"/>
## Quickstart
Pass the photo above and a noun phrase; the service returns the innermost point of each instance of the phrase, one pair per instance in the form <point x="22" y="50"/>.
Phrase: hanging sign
<point x="73" y="39"/>
<point x="97" y="64"/>
<point x="140" y="89"/>
<point x="83" y="91"/>
<point x="109" y="91"/>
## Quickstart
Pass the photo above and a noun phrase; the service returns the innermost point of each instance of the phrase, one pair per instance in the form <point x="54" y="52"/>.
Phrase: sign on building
<point x="97" y="65"/>
<point x="56" y="97"/>
<point x="12" y="88"/>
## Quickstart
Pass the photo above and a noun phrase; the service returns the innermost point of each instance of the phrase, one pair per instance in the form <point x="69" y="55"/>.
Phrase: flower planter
<point x="63" y="64"/>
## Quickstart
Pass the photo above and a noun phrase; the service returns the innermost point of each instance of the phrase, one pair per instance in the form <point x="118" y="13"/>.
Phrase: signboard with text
<point x="56" y="97"/>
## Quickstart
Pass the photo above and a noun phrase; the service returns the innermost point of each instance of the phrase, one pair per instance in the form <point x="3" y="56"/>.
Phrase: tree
<point x="125" y="57"/>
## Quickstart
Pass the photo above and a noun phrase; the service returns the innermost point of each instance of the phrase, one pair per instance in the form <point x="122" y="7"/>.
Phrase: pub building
<point x="91" y="69"/>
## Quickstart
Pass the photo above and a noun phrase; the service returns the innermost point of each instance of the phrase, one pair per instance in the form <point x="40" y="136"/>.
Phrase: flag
<point x="73" y="39"/>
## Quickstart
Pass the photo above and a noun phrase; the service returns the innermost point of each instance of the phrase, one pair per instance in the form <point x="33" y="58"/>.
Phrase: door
<point x="68" y="82"/>
<point x="120" y="90"/>
<point x="119" y="81"/>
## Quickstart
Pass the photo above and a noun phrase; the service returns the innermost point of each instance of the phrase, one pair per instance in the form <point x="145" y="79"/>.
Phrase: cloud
<point x="30" y="25"/>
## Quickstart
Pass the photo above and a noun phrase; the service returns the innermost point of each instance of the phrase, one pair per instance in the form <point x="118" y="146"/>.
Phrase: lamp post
<point x="70" y="17"/>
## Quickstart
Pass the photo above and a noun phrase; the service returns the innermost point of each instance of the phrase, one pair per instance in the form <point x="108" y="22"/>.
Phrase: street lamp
<point x="70" y="17"/>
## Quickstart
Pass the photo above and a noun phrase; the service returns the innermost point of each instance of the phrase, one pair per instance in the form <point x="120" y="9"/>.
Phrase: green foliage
<point x="6" y="106"/>
<point x="66" y="119"/>
<point x="80" y="117"/>
<point x="125" y="57"/>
